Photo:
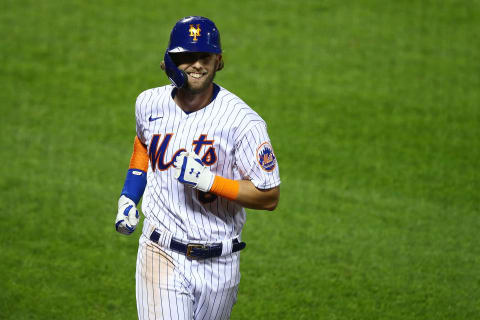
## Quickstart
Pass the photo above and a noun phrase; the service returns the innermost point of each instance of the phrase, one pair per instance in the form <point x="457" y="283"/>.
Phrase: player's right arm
<point x="133" y="188"/>
<point x="136" y="179"/>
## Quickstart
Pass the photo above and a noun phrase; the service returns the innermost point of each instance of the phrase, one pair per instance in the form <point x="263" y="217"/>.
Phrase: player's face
<point x="200" y="68"/>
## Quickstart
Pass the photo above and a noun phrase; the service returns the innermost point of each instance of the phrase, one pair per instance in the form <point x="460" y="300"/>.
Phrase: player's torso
<point x="209" y="132"/>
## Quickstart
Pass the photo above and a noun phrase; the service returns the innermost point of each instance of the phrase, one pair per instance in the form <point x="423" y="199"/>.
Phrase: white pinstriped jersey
<point x="232" y="141"/>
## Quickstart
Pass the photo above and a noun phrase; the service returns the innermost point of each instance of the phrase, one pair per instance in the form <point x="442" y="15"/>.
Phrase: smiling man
<point x="201" y="155"/>
<point x="200" y="69"/>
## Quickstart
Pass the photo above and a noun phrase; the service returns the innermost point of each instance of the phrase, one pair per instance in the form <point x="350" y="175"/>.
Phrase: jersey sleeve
<point x="255" y="159"/>
<point x="140" y="116"/>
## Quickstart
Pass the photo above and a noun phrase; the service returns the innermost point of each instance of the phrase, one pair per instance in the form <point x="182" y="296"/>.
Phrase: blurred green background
<point x="373" y="111"/>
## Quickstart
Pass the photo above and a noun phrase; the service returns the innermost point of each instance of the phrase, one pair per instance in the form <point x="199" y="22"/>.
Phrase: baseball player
<point x="200" y="156"/>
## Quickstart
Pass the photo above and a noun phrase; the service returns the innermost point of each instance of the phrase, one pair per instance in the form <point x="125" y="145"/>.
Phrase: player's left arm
<point x="192" y="172"/>
<point x="252" y="197"/>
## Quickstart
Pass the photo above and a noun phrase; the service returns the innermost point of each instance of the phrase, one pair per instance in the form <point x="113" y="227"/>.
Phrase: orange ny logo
<point x="194" y="32"/>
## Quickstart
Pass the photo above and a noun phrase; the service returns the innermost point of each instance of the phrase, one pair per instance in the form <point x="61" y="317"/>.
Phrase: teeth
<point x="195" y="75"/>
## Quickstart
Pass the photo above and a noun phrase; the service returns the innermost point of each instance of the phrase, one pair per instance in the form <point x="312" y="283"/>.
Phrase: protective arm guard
<point x="135" y="184"/>
<point x="136" y="179"/>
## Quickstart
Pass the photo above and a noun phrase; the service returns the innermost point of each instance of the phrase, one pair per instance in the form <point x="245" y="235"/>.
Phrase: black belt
<point x="197" y="251"/>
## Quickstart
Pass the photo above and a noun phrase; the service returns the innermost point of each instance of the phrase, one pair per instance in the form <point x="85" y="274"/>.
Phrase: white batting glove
<point x="190" y="170"/>
<point x="127" y="216"/>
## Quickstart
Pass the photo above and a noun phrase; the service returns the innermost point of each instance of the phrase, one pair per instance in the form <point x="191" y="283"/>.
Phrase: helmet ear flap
<point x="177" y="77"/>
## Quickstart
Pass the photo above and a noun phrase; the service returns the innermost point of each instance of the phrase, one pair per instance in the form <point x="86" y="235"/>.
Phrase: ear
<point x="162" y="65"/>
<point x="220" y="64"/>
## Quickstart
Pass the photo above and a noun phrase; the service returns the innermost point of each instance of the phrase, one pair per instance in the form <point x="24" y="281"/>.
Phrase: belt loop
<point x="164" y="239"/>
<point x="148" y="228"/>
<point x="227" y="246"/>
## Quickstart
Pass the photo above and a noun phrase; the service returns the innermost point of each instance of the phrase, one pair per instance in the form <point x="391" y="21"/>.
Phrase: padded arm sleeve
<point x="136" y="179"/>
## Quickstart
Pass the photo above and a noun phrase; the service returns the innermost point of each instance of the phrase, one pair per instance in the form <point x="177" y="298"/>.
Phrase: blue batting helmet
<point x="190" y="34"/>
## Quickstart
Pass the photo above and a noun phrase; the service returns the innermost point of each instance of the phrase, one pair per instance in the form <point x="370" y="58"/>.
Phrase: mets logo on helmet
<point x="265" y="157"/>
<point x="194" y="32"/>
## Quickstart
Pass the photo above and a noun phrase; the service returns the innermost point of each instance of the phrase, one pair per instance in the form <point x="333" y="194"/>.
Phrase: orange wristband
<point x="139" y="159"/>
<point x="226" y="188"/>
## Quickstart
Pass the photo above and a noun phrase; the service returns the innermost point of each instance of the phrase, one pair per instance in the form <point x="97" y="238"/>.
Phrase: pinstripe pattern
<point x="169" y="286"/>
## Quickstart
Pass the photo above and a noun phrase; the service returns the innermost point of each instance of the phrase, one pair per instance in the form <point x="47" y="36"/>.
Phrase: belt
<point x="198" y="251"/>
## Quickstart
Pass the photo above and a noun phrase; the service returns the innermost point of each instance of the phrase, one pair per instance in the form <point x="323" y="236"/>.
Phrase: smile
<point x="196" y="75"/>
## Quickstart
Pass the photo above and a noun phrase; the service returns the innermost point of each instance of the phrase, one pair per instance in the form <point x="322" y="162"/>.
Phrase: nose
<point x="197" y="64"/>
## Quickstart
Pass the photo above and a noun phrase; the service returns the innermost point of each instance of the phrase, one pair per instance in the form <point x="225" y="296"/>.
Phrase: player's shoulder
<point x="153" y="93"/>
<point x="236" y="105"/>
<point x="245" y="117"/>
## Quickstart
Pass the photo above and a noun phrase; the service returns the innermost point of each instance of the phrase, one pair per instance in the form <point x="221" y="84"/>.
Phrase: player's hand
<point x="127" y="216"/>
<point x="190" y="170"/>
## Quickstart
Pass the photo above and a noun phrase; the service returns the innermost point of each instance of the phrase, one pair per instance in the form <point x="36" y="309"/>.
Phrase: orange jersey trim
<point x="139" y="159"/>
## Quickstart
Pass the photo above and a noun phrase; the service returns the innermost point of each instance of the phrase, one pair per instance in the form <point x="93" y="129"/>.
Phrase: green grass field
<point x="373" y="111"/>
